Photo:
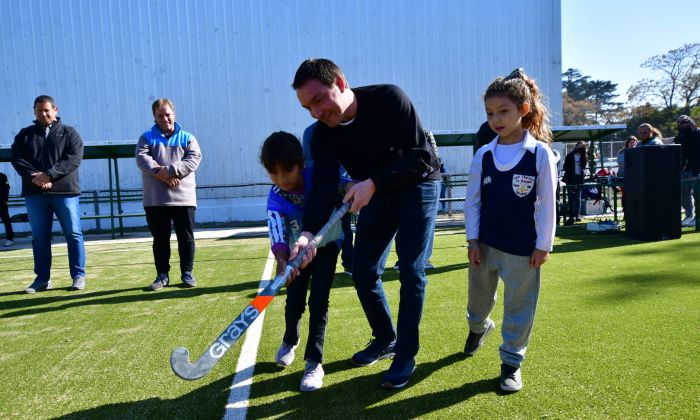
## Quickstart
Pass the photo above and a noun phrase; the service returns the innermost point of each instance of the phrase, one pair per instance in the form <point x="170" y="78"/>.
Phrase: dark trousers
<point x="410" y="215"/>
<point x="160" y="220"/>
<point x="573" y="192"/>
<point x="320" y="275"/>
<point x="346" y="252"/>
<point x="5" y="217"/>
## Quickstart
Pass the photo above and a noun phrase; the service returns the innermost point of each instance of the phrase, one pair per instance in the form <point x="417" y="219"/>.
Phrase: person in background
<point x="47" y="156"/>
<point x="443" y="186"/>
<point x="689" y="139"/>
<point x="484" y="135"/>
<point x="5" y="211"/>
<point x="574" y="169"/>
<point x="631" y="142"/>
<point x="168" y="157"/>
<point x="557" y="194"/>
<point x="649" y="135"/>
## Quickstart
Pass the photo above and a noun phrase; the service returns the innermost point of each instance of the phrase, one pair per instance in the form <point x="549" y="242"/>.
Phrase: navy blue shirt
<point x="508" y="198"/>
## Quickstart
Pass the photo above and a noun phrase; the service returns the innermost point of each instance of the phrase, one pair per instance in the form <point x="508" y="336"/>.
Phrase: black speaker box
<point x="653" y="192"/>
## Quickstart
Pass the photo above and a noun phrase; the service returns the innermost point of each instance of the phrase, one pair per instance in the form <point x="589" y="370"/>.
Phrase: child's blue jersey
<point x="284" y="213"/>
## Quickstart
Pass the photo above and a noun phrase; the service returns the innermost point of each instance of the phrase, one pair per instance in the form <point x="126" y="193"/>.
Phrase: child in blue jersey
<point x="283" y="158"/>
<point x="510" y="219"/>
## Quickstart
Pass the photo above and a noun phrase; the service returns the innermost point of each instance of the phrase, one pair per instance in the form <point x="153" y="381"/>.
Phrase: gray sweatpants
<point x="522" y="287"/>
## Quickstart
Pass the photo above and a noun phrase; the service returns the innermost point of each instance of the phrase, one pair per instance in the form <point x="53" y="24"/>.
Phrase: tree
<point x="589" y="101"/>
<point x="679" y="84"/>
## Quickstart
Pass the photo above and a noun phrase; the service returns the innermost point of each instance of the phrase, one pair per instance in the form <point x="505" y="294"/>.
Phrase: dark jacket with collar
<point x="690" y="149"/>
<point x="58" y="155"/>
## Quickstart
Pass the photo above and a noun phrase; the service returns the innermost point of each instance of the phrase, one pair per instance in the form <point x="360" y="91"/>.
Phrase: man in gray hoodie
<point x="168" y="157"/>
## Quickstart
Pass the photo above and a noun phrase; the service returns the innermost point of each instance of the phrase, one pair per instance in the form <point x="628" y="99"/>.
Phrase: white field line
<point x="237" y="404"/>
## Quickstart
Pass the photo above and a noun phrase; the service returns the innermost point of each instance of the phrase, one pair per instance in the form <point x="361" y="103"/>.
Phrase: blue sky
<point x="608" y="40"/>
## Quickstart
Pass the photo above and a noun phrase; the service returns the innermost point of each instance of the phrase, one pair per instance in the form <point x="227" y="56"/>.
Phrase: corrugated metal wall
<point x="228" y="65"/>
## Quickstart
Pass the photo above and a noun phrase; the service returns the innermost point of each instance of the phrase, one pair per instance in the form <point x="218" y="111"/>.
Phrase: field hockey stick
<point x="180" y="358"/>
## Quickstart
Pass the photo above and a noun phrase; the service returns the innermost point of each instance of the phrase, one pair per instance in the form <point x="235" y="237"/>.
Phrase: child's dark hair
<point x="521" y="89"/>
<point x="281" y="149"/>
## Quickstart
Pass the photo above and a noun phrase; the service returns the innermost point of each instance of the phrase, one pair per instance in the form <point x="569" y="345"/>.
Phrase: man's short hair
<point x="44" y="98"/>
<point x="160" y="102"/>
<point x="281" y="150"/>
<point x="321" y="69"/>
<point x="684" y="119"/>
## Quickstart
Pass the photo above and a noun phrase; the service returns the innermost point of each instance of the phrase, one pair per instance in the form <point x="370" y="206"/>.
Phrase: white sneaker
<point x="285" y="355"/>
<point x="688" y="222"/>
<point x="313" y="377"/>
<point x="8" y="243"/>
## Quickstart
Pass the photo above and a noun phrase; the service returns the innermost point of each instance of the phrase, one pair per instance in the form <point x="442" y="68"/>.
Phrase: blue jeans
<point x="443" y="194"/>
<point x="40" y="210"/>
<point x="687" y="188"/>
<point x="410" y="215"/>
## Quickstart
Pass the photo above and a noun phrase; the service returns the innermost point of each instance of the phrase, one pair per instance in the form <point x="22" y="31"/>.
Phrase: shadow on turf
<point x="204" y="402"/>
<point x="20" y="268"/>
<point x="624" y="287"/>
<point x="582" y="240"/>
<point x="356" y="397"/>
<point x="75" y="299"/>
<point x="360" y="395"/>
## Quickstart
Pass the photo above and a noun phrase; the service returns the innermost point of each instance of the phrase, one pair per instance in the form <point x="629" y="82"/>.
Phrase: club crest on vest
<point x="487" y="180"/>
<point x="523" y="184"/>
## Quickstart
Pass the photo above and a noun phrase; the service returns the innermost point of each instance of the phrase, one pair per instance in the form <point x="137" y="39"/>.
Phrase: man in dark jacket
<point x="47" y="155"/>
<point x="689" y="139"/>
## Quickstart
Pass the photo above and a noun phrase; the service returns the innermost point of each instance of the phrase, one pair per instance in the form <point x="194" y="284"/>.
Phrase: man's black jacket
<point x="58" y="155"/>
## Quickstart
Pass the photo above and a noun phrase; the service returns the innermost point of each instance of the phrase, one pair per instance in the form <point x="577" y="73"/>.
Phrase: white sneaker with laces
<point x="688" y="222"/>
<point x="8" y="243"/>
<point x="313" y="377"/>
<point x="285" y="355"/>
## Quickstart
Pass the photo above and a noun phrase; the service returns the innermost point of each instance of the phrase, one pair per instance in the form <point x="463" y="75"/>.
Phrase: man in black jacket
<point x="47" y="155"/>
<point x="689" y="139"/>
<point x="375" y="133"/>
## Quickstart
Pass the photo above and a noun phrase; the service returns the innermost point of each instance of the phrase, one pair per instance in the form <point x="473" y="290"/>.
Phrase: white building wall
<point x="228" y="66"/>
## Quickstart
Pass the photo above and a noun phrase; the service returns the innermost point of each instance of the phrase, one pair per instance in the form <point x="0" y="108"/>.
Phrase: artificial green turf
<point x="616" y="336"/>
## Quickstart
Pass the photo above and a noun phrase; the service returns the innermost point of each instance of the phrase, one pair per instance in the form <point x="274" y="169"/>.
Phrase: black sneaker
<point x="375" y="350"/>
<point x="38" y="286"/>
<point x="188" y="279"/>
<point x="160" y="282"/>
<point x="475" y="341"/>
<point x="511" y="378"/>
